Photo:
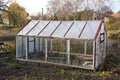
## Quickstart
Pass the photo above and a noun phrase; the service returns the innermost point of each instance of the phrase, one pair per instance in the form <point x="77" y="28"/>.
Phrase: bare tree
<point x="54" y="8"/>
<point x="62" y="9"/>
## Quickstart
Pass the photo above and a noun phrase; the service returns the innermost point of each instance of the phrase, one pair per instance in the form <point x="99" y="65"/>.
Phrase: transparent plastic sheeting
<point x="28" y="27"/>
<point x="61" y="29"/>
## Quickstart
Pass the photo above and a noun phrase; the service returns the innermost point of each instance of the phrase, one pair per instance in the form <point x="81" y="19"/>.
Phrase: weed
<point x="26" y="77"/>
<point x="62" y="71"/>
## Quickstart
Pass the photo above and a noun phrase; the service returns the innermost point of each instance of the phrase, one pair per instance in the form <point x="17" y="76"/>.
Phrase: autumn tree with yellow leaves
<point x="20" y="14"/>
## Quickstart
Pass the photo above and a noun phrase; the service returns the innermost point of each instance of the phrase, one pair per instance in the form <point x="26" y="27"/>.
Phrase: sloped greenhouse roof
<point x="62" y="29"/>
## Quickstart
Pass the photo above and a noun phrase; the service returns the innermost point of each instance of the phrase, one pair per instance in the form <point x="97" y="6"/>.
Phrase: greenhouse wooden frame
<point x="79" y="44"/>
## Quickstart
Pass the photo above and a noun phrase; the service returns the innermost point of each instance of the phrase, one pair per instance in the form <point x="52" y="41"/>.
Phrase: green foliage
<point x="118" y="12"/>
<point x="18" y="15"/>
<point x="9" y="47"/>
<point x="25" y="78"/>
<point x="111" y="61"/>
<point x="114" y="35"/>
<point x="62" y="71"/>
<point x="113" y="28"/>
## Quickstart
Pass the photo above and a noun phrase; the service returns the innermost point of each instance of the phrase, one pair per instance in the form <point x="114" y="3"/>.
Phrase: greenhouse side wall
<point x="20" y="47"/>
<point x="77" y="53"/>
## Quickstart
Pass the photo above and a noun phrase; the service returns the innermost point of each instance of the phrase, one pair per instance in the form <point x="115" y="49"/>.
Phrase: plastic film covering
<point x="75" y="29"/>
<point x="90" y="30"/>
<point x="21" y="47"/>
<point x="50" y="28"/>
<point x="62" y="29"/>
<point x="38" y="28"/>
<point x="28" y="27"/>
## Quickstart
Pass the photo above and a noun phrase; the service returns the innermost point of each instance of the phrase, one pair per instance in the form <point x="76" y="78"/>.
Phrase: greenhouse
<point x="80" y="44"/>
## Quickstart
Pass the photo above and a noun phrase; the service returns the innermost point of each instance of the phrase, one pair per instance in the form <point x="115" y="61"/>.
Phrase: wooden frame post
<point x="85" y="47"/>
<point x="27" y="42"/>
<point x="46" y="55"/>
<point x="94" y="54"/>
<point x="51" y="46"/>
<point x="35" y="48"/>
<point x="16" y="47"/>
<point x="38" y="44"/>
<point x="68" y="51"/>
<point x="41" y="44"/>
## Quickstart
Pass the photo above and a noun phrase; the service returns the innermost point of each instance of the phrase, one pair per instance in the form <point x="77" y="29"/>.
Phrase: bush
<point x="111" y="61"/>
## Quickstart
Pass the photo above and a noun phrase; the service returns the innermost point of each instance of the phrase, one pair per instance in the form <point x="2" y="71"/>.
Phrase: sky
<point x="35" y="6"/>
<point x="116" y="6"/>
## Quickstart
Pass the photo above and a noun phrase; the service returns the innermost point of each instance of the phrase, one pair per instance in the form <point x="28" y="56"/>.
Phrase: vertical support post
<point x="22" y="47"/>
<point x="51" y="46"/>
<point x="16" y="47"/>
<point x="26" y="48"/>
<point x="46" y="55"/>
<point x="38" y="44"/>
<point x="41" y="45"/>
<point x="68" y="51"/>
<point x="85" y="47"/>
<point x="94" y="53"/>
<point x="35" y="47"/>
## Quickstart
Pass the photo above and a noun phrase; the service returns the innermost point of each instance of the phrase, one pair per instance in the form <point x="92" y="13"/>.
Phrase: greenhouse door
<point x="31" y="48"/>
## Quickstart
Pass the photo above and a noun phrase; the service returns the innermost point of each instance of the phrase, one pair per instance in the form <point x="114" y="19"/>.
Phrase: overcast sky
<point x="35" y="6"/>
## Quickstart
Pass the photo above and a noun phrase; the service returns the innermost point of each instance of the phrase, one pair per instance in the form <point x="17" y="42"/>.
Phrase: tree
<point x="4" y="8"/>
<point x="3" y="4"/>
<point x="54" y="8"/>
<point x="20" y="15"/>
<point x="100" y="7"/>
<point x="118" y="12"/>
<point x="68" y="9"/>
<point x="63" y="9"/>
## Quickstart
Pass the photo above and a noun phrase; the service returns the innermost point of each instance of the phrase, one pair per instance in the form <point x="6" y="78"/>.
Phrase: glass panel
<point x="89" y="48"/>
<point x="58" y="52"/>
<point x="36" y="49"/>
<point x="77" y="46"/>
<point x="77" y="56"/>
<point x="21" y="47"/>
<point x="41" y="53"/>
<point x="31" y="45"/>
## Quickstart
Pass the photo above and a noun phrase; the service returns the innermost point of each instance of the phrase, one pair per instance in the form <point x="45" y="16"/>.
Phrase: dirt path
<point x="7" y="32"/>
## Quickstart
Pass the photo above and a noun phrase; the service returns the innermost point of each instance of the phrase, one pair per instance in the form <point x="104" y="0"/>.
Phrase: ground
<point x="38" y="71"/>
<point x="10" y="69"/>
